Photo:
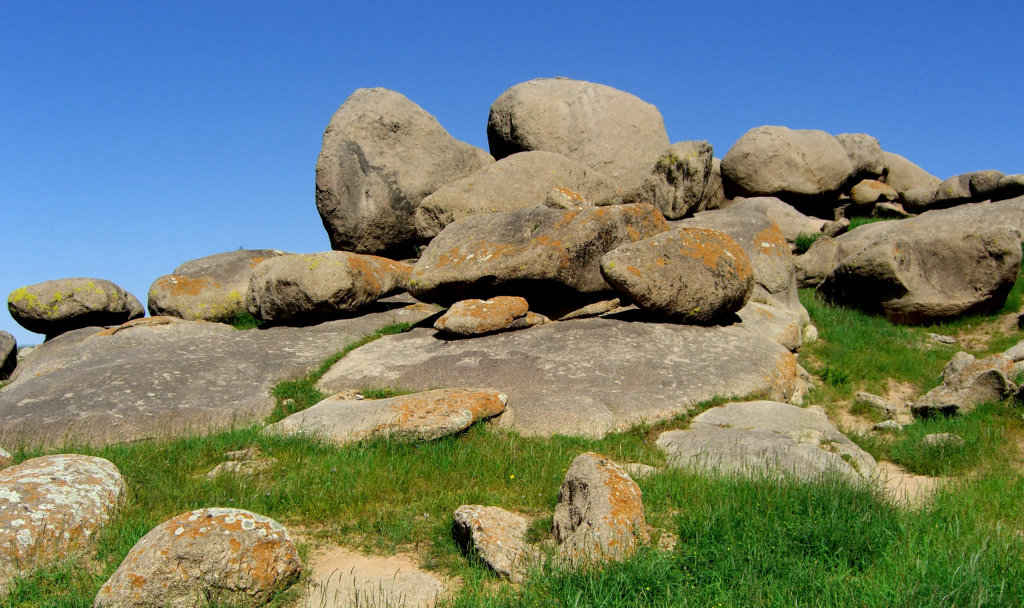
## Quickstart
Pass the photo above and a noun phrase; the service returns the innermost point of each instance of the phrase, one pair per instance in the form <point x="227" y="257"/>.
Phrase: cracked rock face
<point x="53" y="505"/>
<point x="218" y="555"/>
<point x="766" y="438"/>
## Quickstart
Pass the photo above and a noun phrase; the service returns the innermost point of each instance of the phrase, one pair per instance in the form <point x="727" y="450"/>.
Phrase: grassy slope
<point x="741" y="543"/>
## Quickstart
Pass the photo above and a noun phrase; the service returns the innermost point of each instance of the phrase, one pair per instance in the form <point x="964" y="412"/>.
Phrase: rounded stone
<point x="61" y="305"/>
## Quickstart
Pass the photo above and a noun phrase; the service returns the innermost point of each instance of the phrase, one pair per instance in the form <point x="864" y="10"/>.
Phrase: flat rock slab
<point x="167" y="377"/>
<point x="418" y="417"/>
<point x="583" y="377"/>
<point x="765" y="438"/>
<point x="343" y="579"/>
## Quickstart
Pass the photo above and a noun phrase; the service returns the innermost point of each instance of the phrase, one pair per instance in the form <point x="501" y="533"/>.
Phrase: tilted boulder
<point x="304" y="289"/>
<point x="478" y="317"/>
<point x="904" y="175"/>
<point x="923" y="269"/>
<point x="609" y="130"/>
<point x="791" y="222"/>
<point x="519" y="181"/>
<point x="766" y="439"/>
<point x="381" y="155"/>
<point x="548" y="256"/>
<point x="497" y="537"/>
<point x="61" y="305"/>
<point x="955" y="190"/>
<point x="679" y="181"/>
<point x="52" y="506"/>
<point x="211" y="288"/>
<point x="600" y="512"/>
<point x="766" y="247"/>
<point x="8" y="355"/>
<point x="208" y="555"/>
<point x="787" y="163"/>
<point x="422" y="416"/>
<point x="984" y="184"/>
<point x="865" y="155"/>
<point x="687" y="275"/>
<point x="967" y="383"/>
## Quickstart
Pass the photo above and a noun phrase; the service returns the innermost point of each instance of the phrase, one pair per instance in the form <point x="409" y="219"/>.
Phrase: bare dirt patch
<point x="905" y="488"/>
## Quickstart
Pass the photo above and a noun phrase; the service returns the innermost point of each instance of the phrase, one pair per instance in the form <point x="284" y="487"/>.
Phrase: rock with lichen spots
<point x="305" y="289"/>
<point x="61" y="305"/>
<point x="51" y="506"/>
<point x="205" y="556"/>
<point x="497" y="537"/>
<point x="476" y="317"/>
<point x="211" y="288"/>
<point x="600" y="514"/>
<point x="688" y="275"/>
<point x="417" y="417"/>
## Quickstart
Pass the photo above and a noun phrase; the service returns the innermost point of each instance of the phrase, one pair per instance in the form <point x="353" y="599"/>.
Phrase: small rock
<point x="208" y="555"/>
<point x="941" y="339"/>
<point x="599" y="515"/>
<point x="834" y="228"/>
<point x="475" y="317"/>
<point x="417" y="417"/>
<point x="892" y="211"/>
<point x="242" y="467"/>
<point x="888" y="425"/>
<point x="967" y="383"/>
<point x="592" y="310"/>
<point x="869" y="191"/>
<point x="638" y="470"/>
<point x="942" y="440"/>
<point x="497" y="537"/>
<point x="876" y="403"/>
<point x="1016" y="352"/>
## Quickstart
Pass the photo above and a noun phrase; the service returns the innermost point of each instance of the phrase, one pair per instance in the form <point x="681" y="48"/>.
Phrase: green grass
<point x="296" y="395"/>
<point x="804" y="240"/>
<point x="857" y="222"/>
<point x="242" y="320"/>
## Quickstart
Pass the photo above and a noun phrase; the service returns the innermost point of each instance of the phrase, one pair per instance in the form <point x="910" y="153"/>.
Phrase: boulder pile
<point x="595" y="274"/>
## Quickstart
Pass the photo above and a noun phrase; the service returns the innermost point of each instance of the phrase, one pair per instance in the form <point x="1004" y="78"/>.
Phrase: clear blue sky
<point x="137" y="135"/>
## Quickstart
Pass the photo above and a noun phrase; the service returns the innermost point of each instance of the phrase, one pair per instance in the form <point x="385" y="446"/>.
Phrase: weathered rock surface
<point x="967" y="383"/>
<point x="212" y="288"/>
<point x="904" y="175"/>
<point x="600" y="514"/>
<point x="422" y="416"/>
<point x="868" y="192"/>
<point x="476" y="317"/>
<point x="714" y="191"/>
<point x="955" y="190"/>
<point x="164" y="379"/>
<point x="614" y="132"/>
<point x="519" y="181"/>
<point x="679" y="181"/>
<point x="57" y="306"/>
<point x="548" y="256"/>
<point x="767" y="249"/>
<point x="381" y="155"/>
<point x="1010" y="186"/>
<point x="777" y="161"/>
<point x="984" y="184"/>
<point x="913" y="271"/>
<point x="765" y="438"/>
<point x="781" y="325"/>
<point x="497" y="537"/>
<point x="583" y="377"/>
<point x="865" y="155"/>
<point x="687" y="275"/>
<point x="304" y="289"/>
<point x="208" y="555"/>
<point x="791" y="222"/>
<point x="52" y="506"/>
<point x="8" y="355"/>
<point x="879" y="404"/>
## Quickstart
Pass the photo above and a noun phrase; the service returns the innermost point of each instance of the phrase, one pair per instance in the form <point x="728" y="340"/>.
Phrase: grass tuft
<point x="242" y="320"/>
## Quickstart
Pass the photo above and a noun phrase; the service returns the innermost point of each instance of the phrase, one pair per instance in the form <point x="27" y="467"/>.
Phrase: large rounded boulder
<point x="515" y="182"/>
<point x="548" y="256"/>
<point x="609" y="130"/>
<point x="211" y="288"/>
<point x="381" y="155"/>
<point x="305" y="289"/>
<point x="61" y="305"/>
<point x="787" y="163"/>
<point x="689" y="275"/>
<point x="680" y="183"/>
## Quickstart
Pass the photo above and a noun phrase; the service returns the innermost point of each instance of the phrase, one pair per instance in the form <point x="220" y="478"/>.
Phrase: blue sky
<point x="135" y="136"/>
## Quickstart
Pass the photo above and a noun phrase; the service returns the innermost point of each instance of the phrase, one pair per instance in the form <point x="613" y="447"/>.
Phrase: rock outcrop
<point x="606" y="129"/>
<point x="680" y="182"/>
<point x="381" y="156"/>
<point x="61" y="305"/>
<point x="8" y="355"/>
<point x="765" y="438"/>
<point x="967" y="383"/>
<point x="207" y="555"/>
